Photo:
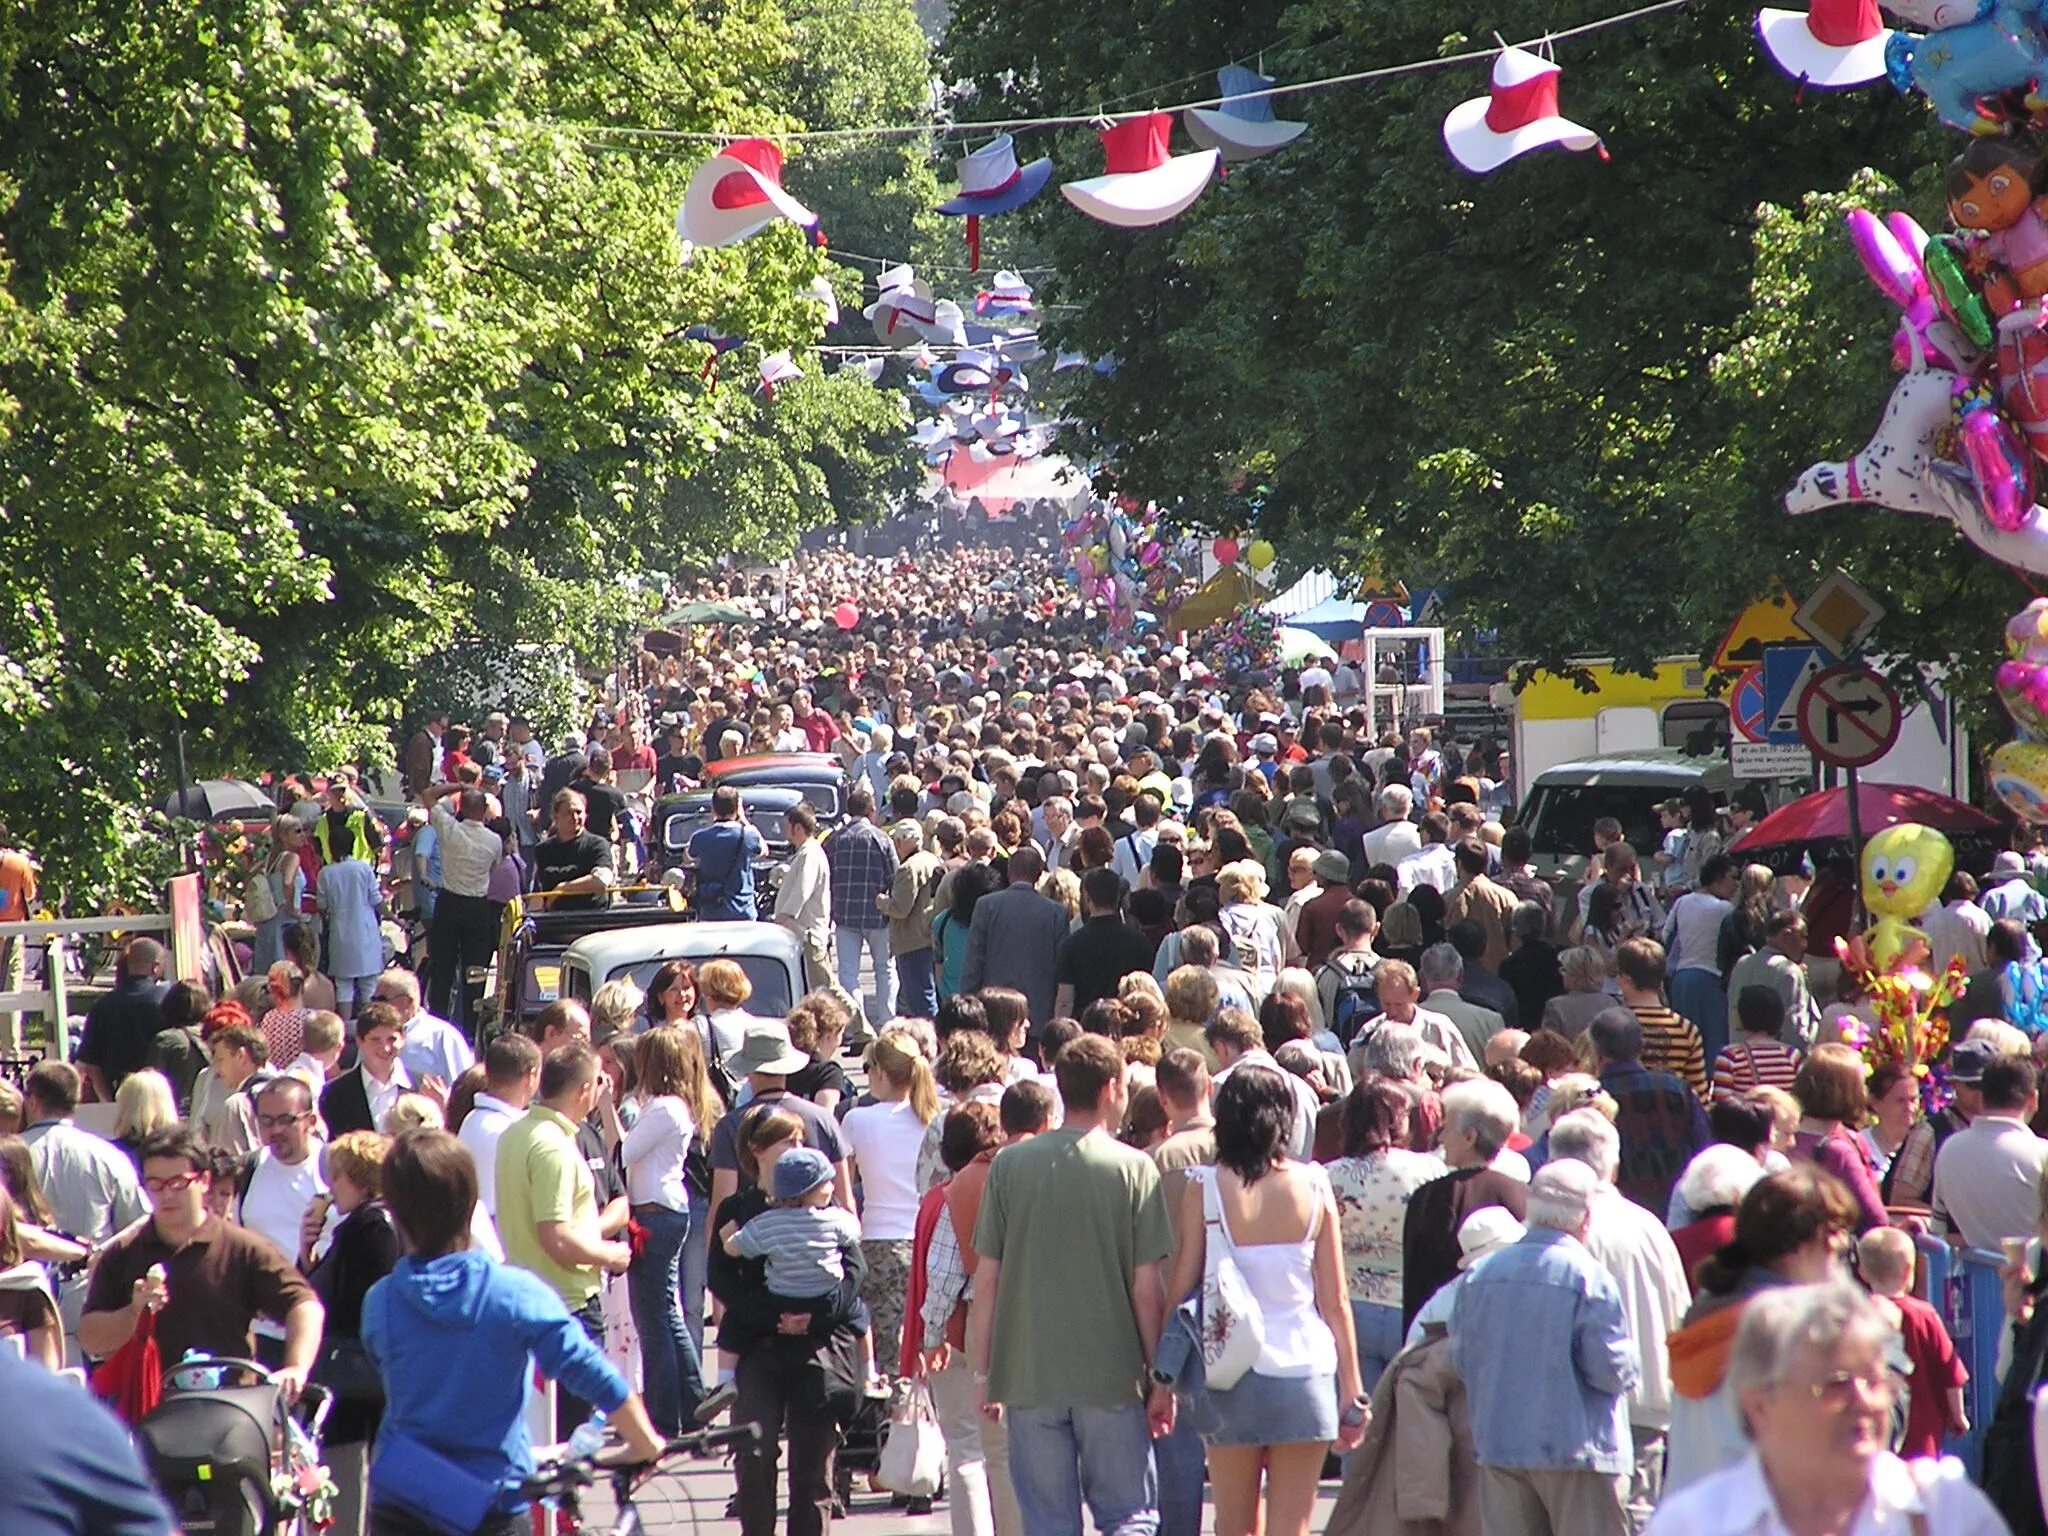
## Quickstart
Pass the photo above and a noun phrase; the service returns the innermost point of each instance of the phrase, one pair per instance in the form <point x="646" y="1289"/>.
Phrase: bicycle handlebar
<point x="571" y="1473"/>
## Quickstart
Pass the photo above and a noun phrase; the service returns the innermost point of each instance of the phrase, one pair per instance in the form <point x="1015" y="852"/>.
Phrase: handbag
<point x="259" y="901"/>
<point x="913" y="1450"/>
<point x="1232" y="1331"/>
<point x="131" y="1379"/>
<point x="441" y="1495"/>
<point x="345" y="1368"/>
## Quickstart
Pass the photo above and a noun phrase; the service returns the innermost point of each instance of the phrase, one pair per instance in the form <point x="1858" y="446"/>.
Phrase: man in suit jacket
<point x="1014" y="940"/>
<point x="359" y="1099"/>
<point x="423" y="753"/>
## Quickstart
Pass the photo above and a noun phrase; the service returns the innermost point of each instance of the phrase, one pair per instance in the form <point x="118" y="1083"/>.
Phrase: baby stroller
<point x="229" y="1455"/>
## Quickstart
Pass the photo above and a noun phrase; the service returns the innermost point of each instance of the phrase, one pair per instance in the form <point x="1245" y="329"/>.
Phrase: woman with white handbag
<point x="1259" y="1238"/>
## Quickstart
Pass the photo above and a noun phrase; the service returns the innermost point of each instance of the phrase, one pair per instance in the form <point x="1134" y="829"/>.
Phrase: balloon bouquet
<point x="1125" y="558"/>
<point x="1904" y="870"/>
<point x="1966" y="428"/>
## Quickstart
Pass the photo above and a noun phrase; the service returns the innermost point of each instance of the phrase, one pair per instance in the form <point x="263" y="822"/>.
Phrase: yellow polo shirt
<point x="542" y="1177"/>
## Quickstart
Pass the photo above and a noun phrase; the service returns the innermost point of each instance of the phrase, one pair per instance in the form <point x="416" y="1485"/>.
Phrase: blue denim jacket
<point x="1539" y="1337"/>
<point x="1180" y="1357"/>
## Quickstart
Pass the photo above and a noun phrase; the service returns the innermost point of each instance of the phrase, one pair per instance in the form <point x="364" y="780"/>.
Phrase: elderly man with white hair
<point x="432" y="1046"/>
<point x="1542" y="1341"/>
<point x="1396" y="837"/>
<point x="1636" y="1250"/>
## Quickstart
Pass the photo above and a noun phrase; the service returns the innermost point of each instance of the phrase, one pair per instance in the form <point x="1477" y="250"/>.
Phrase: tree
<point x="1573" y="391"/>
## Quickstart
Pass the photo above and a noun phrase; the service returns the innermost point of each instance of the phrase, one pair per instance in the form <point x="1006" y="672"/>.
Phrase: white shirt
<point x="1987" y="1180"/>
<point x="1737" y="1501"/>
<point x="488" y="1116"/>
<point x="803" y="902"/>
<point x="884" y="1139"/>
<point x="469" y="851"/>
<point x="1435" y="865"/>
<point x="434" y="1048"/>
<point x="1392" y="843"/>
<point x="792" y="740"/>
<point x="383" y="1095"/>
<point x="1692" y="933"/>
<point x="275" y="1205"/>
<point x="1633" y="1246"/>
<point x="1960" y="928"/>
<point x="1134" y="852"/>
<point x="654" y="1150"/>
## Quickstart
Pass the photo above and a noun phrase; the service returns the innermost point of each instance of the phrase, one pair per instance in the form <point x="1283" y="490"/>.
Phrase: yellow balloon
<point x="1098" y="556"/>
<point x="1260" y="555"/>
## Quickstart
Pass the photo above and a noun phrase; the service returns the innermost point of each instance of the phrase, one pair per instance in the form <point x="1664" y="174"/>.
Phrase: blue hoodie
<point x="452" y="1339"/>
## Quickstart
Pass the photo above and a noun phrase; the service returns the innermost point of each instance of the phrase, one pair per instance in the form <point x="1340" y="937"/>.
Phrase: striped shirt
<point x="802" y="1245"/>
<point x="1753" y="1064"/>
<point x="1671" y="1044"/>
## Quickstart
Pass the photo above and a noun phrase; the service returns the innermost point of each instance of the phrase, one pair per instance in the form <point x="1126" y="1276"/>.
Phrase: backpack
<point x="1244" y="946"/>
<point x="1357" y="999"/>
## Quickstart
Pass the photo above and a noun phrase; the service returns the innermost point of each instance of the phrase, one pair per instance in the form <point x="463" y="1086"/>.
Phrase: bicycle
<point x="563" y="1481"/>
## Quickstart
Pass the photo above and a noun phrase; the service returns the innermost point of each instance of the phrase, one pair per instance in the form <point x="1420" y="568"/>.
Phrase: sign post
<point x="1850" y="718"/>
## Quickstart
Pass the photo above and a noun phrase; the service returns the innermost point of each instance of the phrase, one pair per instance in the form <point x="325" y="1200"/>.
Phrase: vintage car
<point x="820" y="776"/>
<point x="770" y="956"/>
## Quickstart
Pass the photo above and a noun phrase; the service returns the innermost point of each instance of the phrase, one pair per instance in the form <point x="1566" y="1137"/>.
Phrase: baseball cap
<point x="1967" y="1062"/>
<point x="1264" y="745"/>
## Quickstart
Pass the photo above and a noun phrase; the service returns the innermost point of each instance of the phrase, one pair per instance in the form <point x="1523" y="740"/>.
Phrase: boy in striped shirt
<point x="1760" y="1059"/>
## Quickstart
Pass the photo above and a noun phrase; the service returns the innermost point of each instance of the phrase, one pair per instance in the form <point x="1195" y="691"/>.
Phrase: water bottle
<point x="588" y="1438"/>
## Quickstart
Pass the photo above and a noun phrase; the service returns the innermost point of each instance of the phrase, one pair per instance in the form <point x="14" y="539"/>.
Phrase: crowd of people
<point x="1233" y="1094"/>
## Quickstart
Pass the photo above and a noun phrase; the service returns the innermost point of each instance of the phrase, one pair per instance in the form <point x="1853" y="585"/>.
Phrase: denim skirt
<point x="1275" y="1410"/>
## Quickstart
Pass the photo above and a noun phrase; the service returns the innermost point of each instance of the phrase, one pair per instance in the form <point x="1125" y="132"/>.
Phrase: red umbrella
<point x="1824" y="817"/>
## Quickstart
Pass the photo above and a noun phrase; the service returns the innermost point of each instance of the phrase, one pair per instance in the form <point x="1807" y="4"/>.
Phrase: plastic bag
<point x="913" y="1451"/>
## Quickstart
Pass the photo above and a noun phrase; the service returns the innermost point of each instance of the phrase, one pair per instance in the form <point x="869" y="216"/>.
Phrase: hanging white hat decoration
<point x="905" y="309"/>
<point x="992" y="182"/>
<point x="1833" y="44"/>
<point x="1009" y="296"/>
<point x="820" y="289"/>
<point x="1143" y="183"/>
<point x="1519" y="113"/>
<point x="1243" y="127"/>
<point x="777" y="369"/>
<point x="738" y="193"/>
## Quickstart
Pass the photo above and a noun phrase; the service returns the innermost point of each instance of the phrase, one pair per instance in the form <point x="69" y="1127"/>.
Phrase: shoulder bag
<point x="1232" y="1330"/>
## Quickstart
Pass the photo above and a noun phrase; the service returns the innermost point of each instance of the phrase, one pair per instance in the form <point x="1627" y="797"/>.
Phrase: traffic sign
<point x="1787" y="670"/>
<point x="1767" y="621"/>
<point x="1848" y="716"/>
<point x="1840" y="614"/>
<point x="1760" y="760"/>
<point x="1746" y="705"/>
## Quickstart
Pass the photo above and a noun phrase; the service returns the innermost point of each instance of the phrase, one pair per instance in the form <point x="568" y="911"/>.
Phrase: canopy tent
<point x="1312" y="588"/>
<point x="1334" y="619"/>
<point x="1298" y="646"/>
<point x="1824" y="817"/>
<point x="1214" y="601"/>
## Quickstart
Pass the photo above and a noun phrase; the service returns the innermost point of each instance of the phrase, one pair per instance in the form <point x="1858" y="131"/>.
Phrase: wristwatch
<point x="1160" y="1378"/>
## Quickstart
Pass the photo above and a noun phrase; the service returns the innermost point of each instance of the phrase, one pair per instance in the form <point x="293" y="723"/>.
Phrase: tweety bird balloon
<point x="1904" y="871"/>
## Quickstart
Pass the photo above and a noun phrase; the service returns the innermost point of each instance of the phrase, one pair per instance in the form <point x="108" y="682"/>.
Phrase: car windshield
<point x="771" y="999"/>
<point x="1560" y="817"/>
<point x="822" y="798"/>
<point x="681" y="826"/>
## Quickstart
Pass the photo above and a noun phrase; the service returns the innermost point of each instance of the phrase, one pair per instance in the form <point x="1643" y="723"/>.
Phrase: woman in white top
<point x="1809" y="1369"/>
<point x="655" y="1150"/>
<point x="882" y="1140"/>
<point x="1278" y="1220"/>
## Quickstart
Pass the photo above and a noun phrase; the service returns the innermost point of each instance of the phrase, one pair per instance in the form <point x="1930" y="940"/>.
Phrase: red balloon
<point x="1225" y="551"/>
<point x="846" y="615"/>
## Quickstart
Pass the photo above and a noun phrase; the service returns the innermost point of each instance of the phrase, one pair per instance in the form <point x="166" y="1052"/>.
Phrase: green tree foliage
<point x="332" y="334"/>
<point x="1574" y="391"/>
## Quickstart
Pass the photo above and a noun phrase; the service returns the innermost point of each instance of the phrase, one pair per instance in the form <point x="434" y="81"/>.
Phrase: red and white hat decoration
<point x="1143" y="184"/>
<point x="1519" y="113"/>
<point x="735" y="194"/>
<point x="1833" y="44"/>
<point x="777" y="369"/>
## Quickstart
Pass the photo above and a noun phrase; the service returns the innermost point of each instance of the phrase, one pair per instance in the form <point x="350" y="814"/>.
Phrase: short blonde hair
<point x="324" y="1031"/>
<point x="413" y="1112"/>
<point x="143" y="1105"/>
<point x="358" y="1156"/>
<point x="1578" y="1090"/>
<point x="723" y="984"/>
<point x="1240" y="881"/>
<point x="614" y="1007"/>
<point x="1885" y="1257"/>
<point x="1191" y="994"/>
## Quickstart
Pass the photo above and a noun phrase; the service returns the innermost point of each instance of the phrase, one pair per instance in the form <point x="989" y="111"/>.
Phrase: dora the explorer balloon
<point x="1905" y="869"/>
<point x="1994" y="191"/>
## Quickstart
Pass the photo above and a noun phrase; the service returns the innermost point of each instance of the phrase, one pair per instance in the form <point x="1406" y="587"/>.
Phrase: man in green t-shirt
<point x="547" y="1201"/>
<point x="1069" y="1297"/>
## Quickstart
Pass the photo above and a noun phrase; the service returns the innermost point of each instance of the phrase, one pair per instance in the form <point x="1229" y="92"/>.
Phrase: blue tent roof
<point x="1334" y="619"/>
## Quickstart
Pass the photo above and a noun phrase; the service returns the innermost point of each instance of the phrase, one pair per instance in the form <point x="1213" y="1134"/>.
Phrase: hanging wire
<point x="1082" y="120"/>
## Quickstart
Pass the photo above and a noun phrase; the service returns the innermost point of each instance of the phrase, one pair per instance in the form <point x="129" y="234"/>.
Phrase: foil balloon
<point x="2019" y="777"/>
<point x="1973" y="54"/>
<point x="1905" y="868"/>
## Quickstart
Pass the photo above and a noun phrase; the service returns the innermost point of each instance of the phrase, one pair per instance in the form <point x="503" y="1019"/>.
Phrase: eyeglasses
<point x="175" y="1184"/>
<point x="279" y="1122"/>
<point x="1843" y="1389"/>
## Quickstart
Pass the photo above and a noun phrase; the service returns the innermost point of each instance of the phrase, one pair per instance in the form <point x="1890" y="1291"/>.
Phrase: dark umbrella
<point x="217" y="799"/>
<point x="710" y="613"/>
<point x="1819" y="823"/>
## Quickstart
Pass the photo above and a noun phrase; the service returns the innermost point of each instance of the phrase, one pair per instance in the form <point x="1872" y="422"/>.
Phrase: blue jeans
<point x="675" y="1383"/>
<point x="696" y="1259"/>
<point x="850" y="942"/>
<point x="1702" y="999"/>
<point x="1061" y="1456"/>
<point x="1378" y="1327"/>
<point x="917" y="984"/>
<point x="1182" y="1465"/>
